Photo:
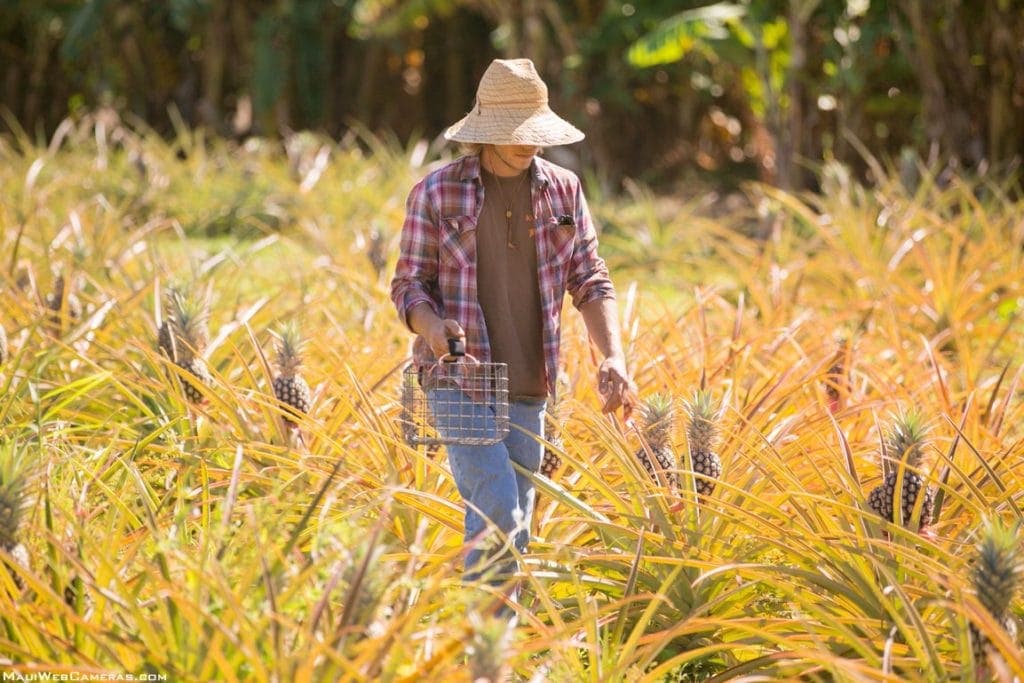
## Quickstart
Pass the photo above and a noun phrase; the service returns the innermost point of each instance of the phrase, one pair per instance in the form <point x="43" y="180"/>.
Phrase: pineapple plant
<point x="836" y="380"/>
<point x="996" y="576"/>
<point x="702" y="432"/>
<point x="554" y="416"/>
<point x="658" y="414"/>
<point x="183" y="337"/>
<point x="488" y="648"/>
<point x="14" y="484"/>
<point x="904" y="441"/>
<point x="290" y="387"/>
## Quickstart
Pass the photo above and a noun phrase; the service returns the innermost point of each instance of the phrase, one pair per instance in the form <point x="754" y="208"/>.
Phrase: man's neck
<point x="492" y="162"/>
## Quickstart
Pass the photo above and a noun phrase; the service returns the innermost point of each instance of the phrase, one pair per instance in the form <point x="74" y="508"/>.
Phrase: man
<point x="490" y="245"/>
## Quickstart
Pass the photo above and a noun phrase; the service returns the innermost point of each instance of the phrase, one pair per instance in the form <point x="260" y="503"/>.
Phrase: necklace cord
<point x="508" y="207"/>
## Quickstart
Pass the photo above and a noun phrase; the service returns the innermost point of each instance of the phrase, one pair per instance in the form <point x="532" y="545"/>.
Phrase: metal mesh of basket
<point x="457" y="401"/>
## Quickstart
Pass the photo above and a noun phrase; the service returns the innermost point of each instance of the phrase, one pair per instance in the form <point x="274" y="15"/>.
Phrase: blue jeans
<point x="493" y="490"/>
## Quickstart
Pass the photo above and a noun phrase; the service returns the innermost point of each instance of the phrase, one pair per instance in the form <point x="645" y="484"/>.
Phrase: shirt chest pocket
<point x="457" y="243"/>
<point x="561" y="239"/>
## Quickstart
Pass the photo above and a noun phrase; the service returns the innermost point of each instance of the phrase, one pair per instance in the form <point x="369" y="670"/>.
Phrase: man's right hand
<point x="434" y="330"/>
<point x="440" y="331"/>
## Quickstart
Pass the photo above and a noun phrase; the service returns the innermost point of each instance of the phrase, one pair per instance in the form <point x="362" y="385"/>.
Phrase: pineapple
<point x="659" y="418"/>
<point x="552" y="461"/>
<point x="183" y="337"/>
<point x="906" y="442"/>
<point x="165" y="338"/>
<point x="996" y="577"/>
<point x="3" y="345"/>
<point x="701" y="432"/>
<point x="289" y="386"/>
<point x="14" y="484"/>
<point x="63" y="301"/>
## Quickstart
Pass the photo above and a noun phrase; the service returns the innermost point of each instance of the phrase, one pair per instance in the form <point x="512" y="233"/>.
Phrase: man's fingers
<point x="453" y="329"/>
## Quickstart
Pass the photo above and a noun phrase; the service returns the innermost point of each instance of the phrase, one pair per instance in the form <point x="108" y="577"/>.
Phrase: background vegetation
<point x="667" y="90"/>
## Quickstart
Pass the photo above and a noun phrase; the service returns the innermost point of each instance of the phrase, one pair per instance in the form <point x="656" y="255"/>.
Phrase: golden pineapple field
<point x="175" y="523"/>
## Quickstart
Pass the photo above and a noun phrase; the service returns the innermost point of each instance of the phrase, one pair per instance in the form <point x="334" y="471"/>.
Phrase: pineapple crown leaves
<point x="906" y="438"/>
<point x="189" y="315"/>
<point x="999" y="569"/>
<point x="702" y="406"/>
<point x="557" y="407"/>
<point x="703" y="412"/>
<point x="290" y="345"/>
<point x="658" y="409"/>
<point x="491" y="636"/>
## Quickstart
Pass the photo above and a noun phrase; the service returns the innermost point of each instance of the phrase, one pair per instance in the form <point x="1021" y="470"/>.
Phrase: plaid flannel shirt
<point x="437" y="264"/>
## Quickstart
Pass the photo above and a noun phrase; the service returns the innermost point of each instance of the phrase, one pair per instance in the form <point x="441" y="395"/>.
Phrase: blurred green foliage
<point x="667" y="90"/>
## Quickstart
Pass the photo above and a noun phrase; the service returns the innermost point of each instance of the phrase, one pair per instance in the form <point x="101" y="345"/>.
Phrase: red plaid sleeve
<point x="415" y="279"/>
<point x="588" y="277"/>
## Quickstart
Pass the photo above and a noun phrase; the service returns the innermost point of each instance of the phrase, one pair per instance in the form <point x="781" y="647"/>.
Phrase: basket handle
<point x="456" y="352"/>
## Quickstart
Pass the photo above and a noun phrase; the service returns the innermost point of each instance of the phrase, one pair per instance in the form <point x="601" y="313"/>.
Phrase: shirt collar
<point x="471" y="170"/>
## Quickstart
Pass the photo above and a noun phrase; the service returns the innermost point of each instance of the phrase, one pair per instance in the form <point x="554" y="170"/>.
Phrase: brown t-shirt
<point x="507" y="283"/>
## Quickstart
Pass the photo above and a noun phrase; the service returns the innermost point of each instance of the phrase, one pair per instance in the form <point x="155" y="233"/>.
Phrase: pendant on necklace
<point x="508" y="230"/>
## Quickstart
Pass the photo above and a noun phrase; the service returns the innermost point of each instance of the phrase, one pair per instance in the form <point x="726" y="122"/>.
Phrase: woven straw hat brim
<point x="504" y="125"/>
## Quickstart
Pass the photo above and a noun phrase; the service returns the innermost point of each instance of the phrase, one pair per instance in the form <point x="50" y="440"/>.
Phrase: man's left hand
<point x="616" y="387"/>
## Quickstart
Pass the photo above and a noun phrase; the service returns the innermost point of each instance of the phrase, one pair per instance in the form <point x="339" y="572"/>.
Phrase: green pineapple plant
<point x="290" y="388"/>
<point x="14" y="488"/>
<point x="905" y="442"/>
<point x="183" y="336"/>
<point x="703" y="415"/>
<point x="996" y="577"/>
<point x="658" y="415"/>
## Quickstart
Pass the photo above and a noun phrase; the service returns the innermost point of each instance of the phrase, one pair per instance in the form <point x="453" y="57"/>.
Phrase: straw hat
<point x="512" y="109"/>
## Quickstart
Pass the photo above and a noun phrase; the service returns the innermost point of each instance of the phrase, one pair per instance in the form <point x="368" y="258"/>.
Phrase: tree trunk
<point x="215" y="42"/>
<point x="534" y="41"/>
<point x="1006" y="84"/>
<point x="792" y="143"/>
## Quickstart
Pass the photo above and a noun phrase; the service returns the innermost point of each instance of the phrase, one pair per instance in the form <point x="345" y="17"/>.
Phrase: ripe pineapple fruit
<point x="905" y="441"/>
<point x="183" y="337"/>
<point x="3" y="344"/>
<point x="63" y="300"/>
<point x="658" y="413"/>
<point x="702" y="431"/>
<point x="289" y="386"/>
<point x="14" y="484"/>
<point x="552" y="461"/>
<point x="996" y="576"/>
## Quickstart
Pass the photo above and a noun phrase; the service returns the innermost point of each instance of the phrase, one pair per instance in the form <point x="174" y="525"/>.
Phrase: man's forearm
<point x="601" y="317"/>
<point x="422" y="319"/>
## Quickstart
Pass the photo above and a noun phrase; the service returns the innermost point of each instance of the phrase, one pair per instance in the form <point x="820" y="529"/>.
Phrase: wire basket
<point x="456" y="401"/>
